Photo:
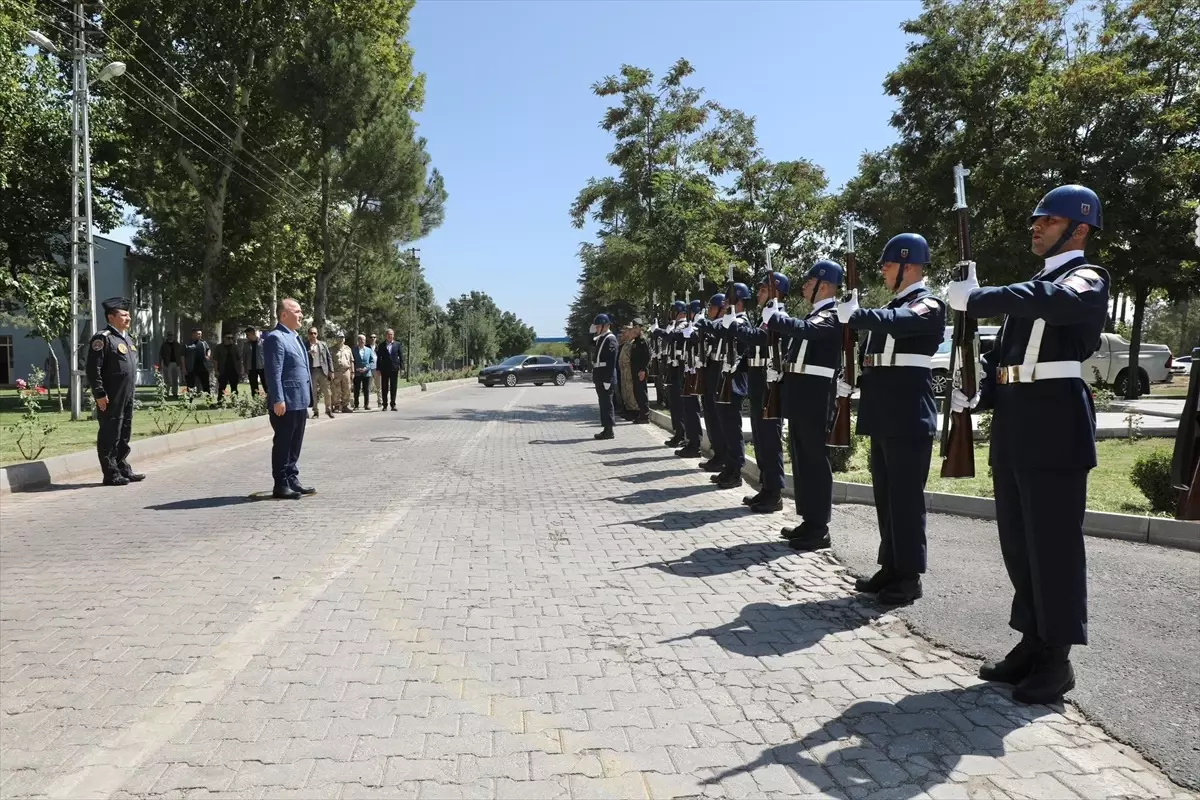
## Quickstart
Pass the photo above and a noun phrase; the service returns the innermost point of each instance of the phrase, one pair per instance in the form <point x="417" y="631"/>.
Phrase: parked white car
<point x="1181" y="365"/>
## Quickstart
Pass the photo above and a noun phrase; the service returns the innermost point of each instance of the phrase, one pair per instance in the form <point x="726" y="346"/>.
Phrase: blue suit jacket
<point x="287" y="376"/>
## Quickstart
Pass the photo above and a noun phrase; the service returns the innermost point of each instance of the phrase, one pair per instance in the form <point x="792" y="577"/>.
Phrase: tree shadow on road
<point x="657" y="475"/>
<point x="201" y="502"/>
<point x="665" y="495"/>
<point x="720" y="561"/>
<point x="900" y="750"/>
<point x="688" y="520"/>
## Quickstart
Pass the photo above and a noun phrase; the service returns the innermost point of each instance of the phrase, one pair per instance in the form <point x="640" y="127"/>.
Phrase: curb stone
<point x="29" y="475"/>
<point x="1160" y="531"/>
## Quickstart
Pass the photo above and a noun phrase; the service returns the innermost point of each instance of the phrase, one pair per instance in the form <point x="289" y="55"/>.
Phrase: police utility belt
<point x="798" y="367"/>
<point x="898" y="360"/>
<point x="1046" y="370"/>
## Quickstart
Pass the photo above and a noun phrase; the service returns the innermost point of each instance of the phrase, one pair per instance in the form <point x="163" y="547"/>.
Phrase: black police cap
<point x="114" y="304"/>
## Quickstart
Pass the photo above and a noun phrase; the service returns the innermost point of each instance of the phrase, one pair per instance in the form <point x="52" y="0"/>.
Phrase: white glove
<point x="959" y="401"/>
<point x="688" y="331"/>
<point x="846" y="309"/>
<point x="768" y="312"/>
<point x="654" y="326"/>
<point x="728" y="320"/>
<point x="773" y="376"/>
<point x="960" y="291"/>
<point x="607" y="386"/>
<point x="844" y="389"/>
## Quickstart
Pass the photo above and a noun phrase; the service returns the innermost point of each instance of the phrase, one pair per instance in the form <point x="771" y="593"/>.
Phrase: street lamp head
<point x="39" y="39"/>
<point x="113" y="69"/>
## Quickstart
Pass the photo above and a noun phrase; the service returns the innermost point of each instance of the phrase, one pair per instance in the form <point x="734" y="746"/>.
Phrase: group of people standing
<point x="1043" y="426"/>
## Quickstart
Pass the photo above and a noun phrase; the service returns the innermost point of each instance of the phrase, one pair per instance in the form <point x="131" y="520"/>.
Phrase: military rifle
<point x="772" y="397"/>
<point x="725" y="386"/>
<point x="958" y="435"/>
<point x="839" y="434"/>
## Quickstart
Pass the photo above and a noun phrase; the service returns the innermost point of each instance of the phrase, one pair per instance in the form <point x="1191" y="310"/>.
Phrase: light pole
<point x="81" y="219"/>
<point x="415" y="267"/>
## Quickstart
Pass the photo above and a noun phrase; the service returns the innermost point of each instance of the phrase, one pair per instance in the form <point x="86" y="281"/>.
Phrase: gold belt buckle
<point x="1006" y="375"/>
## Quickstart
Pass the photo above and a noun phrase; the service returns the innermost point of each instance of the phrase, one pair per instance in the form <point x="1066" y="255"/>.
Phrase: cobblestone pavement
<point x="494" y="606"/>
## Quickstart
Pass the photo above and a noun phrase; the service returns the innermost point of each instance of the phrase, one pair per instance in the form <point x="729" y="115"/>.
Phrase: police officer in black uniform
<point x="737" y="372"/>
<point x="897" y="411"/>
<point x="112" y="365"/>
<point x="813" y="355"/>
<point x="689" y="336"/>
<point x="712" y="348"/>
<point x="604" y="364"/>
<point x="1043" y="437"/>
<point x="767" y="434"/>
<point x="639" y="362"/>
<point x="673" y="344"/>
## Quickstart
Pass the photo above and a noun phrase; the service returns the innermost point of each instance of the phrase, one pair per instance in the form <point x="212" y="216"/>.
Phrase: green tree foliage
<point x="513" y="336"/>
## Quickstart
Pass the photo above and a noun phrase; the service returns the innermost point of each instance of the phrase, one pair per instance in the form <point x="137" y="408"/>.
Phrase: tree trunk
<point x="321" y="295"/>
<point x="58" y="395"/>
<point x="1185" y="341"/>
<point x="1124" y="298"/>
<point x="1133" y="383"/>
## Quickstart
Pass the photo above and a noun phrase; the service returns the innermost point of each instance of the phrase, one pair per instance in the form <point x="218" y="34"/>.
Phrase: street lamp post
<point x="83" y="266"/>
<point x="415" y="267"/>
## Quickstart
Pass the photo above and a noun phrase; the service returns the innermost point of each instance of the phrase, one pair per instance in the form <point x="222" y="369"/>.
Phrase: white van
<point x="984" y="339"/>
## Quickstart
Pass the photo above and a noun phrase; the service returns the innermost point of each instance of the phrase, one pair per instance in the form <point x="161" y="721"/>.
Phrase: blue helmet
<point x="906" y="248"/>
<point x="826" y="270"/>
<point x="741" y="292"/>
<point x="602" y="319"/>
<point x="696" y="306"/>
<point x="1073" y="202"/>
<point x="717" y="300"/>
<point x="782" y="284"/>
<point x="678" y="307"/>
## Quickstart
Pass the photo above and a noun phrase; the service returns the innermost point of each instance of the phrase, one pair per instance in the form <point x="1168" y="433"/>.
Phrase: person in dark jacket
<point x="639" y="360"/>
<point x="390" y="359"/>
<point x="112" y="377"/>
<point x="604" y="366"/>
<point x="170" y="363"/>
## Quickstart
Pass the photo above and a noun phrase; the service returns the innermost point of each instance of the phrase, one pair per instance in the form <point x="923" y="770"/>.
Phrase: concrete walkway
<point x="481" y="601"/>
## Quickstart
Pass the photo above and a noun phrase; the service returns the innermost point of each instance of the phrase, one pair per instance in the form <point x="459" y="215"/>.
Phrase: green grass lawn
<point x="1109" y="488"/>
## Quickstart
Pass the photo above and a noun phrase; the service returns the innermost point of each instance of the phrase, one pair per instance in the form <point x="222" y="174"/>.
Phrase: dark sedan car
<point x="527" y="369"/>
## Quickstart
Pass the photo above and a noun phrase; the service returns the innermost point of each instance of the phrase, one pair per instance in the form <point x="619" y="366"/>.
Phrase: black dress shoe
<point x="767" y="505"/>
<point x="1015" y="666"/>
<point x="674" y="441"/>
<point x="720" y="476"/>
<point x="607" y="433"/>
<point x="885" y="577"/>
<point x="810" y="539"/>
<point x="751" y="499"/>
<point x="689" y="451"/>
<point x="131" y="476"/>
<point x="731" y="480"/>
<point x="316" y="415"/>
<point x="116" y="480"/>
<point x="1052" y="677"/>
<point x="641" y="420"/>
<point x="713" y="465"/>
<point x="900" y="593"/>
<point x="393" y="408"/>
<point x="285" y="493"/>
<point x="298" y="489"/>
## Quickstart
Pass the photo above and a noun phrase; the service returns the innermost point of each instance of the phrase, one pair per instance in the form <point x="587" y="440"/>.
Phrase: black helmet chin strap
<point x="812" y="300"/>
<point x="1062" y="240"/>
<point x="899" y="277"/>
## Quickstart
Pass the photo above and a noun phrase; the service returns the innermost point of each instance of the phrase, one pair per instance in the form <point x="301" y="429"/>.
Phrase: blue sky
<point x="512" y="124"/>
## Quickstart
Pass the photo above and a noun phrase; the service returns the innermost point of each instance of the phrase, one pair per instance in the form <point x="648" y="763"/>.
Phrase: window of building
<point x="6" y="360"/>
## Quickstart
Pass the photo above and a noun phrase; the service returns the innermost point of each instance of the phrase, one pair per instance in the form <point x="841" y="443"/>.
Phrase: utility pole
<point x="415" y="267"/>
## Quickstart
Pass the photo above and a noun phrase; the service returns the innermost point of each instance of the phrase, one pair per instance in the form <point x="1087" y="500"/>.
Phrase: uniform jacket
<point x="604" y="362"/>
<point x="170" y="353"/>
<point x="390" y="357"/>
<point x="221" y="353"/>
<point x="738" y="336"/>
<point x="249" y="349"/>
<point x="323" y="362"/>
<point x="756" y="341"/>
<point x="808" y="400"/>
<point x="898" y="401"/>
<point x="287" y="376"/>
<point x="364" y="360"/>
<point x="112" y="364"/>
<point x="197" y="356"/>
<point x="639" y="354"/>
<point x="1047" y="424"/>
<point x="343" y="358"/>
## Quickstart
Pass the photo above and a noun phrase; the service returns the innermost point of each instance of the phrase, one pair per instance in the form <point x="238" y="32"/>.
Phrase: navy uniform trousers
<point x="812" y="474"/>
<point x="729" y="419"/>
<point x="675" y="400"/>
<point x="899" y="470"/>
<point x="768" y="440"/>
<point x="691" y="419"/>
<point x="712" y="422"/>
<point x="605" y="397"/>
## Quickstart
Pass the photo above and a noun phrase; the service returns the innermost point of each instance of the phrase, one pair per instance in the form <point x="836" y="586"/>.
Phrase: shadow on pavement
<point x="665" y="495"/>
<point x="721" y="561"/>
<point x="620" y="451"/>
<point x="870" y="740"/>
<point x="201" y="502"/>
<point x="658" y="475"/>
<point x="768" y="629"/>
<point x="522" y="415"/>
<point x="60" y="487"/>
<point x="629" y="462"/>
<point x="687" y="520"/>
<point x="561" y="441"/>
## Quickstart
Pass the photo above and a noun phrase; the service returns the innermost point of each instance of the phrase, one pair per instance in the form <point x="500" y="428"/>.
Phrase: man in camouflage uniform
<point x="343" y="369"/>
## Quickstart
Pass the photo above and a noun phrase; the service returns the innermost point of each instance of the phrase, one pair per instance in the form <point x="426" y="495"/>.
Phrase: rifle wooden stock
<point x="839" y="433"/>
<point x="958" y="435"/>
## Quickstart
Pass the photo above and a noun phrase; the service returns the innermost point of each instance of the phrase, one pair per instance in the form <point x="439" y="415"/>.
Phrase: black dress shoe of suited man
<point x="285" y="493"/>
<point x="901" y="592"/>
<point x="712" y="465"/>
<point x="877" y="582"/>
<point x="751" y="499"/>
<point x="674" y="441"/>
<point x="689" y="451"/>
<point x="730" y="480"/>
<point x="297" y="488"/>
<point x="1051" y="678"/>
<point x="1016" y="666"/>
<point x="806" y="538"/>
<point x="767" y="505"/>
<point x="607" y="433"/>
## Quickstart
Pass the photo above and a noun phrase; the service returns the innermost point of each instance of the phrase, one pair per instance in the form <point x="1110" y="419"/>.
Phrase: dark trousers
<point x="729" y="419"/>
<point x="362" y="383"/>
<point x="112" y="440"/>
<point x="660" y="392"/>
<point x="1039" y="514"/>
<point x="229" y="379"/>
<point x="199" y="380"/>
<point x="712" y="423"/>
<point x="675" y="398"/>
<point x="256" y="378"/>
<point x="605" y="396"/>
<point x="387" y="388"/>
<point x="691" y="419"/>
<point x="768" y="448"/>
<point x="812" y="475"/>
<point x="285" y="447"/>
<point x="899" y="470"/>
<point x="641" y="392"/>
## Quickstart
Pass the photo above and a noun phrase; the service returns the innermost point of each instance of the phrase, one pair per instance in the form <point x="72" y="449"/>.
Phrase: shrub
<point x="31" y="432"/>
<point x="1151" y="474"/>
<point x="840" y="457"/>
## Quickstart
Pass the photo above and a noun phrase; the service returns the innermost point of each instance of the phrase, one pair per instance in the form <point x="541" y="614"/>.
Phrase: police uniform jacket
<point x="639" y="354"/>
<point x="814" y="346"/>
<point x="738" y="336"/>
<point x="675" y="342"/>
<point x="1041" y="421"/>
<point x="756" y="341"/>
<point x="898" y="400"/>
<point x="112" y="365"/>
<point x="604" y="363"/>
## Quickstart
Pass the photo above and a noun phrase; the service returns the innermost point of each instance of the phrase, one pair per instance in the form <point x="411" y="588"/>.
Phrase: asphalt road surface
<point x="1139" y="678"/>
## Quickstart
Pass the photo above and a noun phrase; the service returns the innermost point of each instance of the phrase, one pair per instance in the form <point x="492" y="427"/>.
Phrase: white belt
<point x="756" y="362"/>
<point x="897" y="360"/>
<point x="1044" y="370"/>
<point x="601" y="364"/>
<point x="810" y="369"/>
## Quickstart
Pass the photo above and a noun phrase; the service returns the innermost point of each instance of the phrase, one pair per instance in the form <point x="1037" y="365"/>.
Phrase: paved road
<point x="494" y="606"/>
<point x="1139" y="678"/>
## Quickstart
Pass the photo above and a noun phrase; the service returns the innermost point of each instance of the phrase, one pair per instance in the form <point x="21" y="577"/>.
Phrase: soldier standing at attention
<point x="712" y="349"/>
<point x="766" y="433"/>
<point x="343" y="368"/>
<point x="604" y="363"/>
<point x="735" y="371"/>
<point x="1043" y="437"/>
<point x="673" y="341"/>
<point x="690" y="404"/>
<point x="112" y="375"/>
<point x="898" y="412"/>
<point x="808" y="401"/>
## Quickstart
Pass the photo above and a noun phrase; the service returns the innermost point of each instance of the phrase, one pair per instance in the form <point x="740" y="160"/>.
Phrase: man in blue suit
<point x="289" y="390"/>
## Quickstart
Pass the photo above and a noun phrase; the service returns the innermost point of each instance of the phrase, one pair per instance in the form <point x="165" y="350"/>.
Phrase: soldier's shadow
<point x="617" y="451"/>
<point x="629" y="462"/>
<point x="657" y="475"/>
<point x="687" y="520"/>
<point x="720" y="561"/>
<point x="904" y="749"/>
<point x="769" y="629"/>
<point x="665" y="495"/>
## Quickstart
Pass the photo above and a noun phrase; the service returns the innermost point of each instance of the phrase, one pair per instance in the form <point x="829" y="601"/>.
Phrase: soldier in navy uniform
<point x="604" y="365"/>
<point x="729" y="415"/>
<point x="712" y="351"/>
<point x="767" y="434"/>
<point x="1043" y="437"/>
<point x="690" y="404"/>
<point x="673" y="342"/>
<point x="112" y="364"/>
<point x="897" y="411"/>
<point x="813" y="354"/>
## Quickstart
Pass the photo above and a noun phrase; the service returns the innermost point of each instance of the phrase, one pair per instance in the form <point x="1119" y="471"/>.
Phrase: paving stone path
<point x="481" y="601"/>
